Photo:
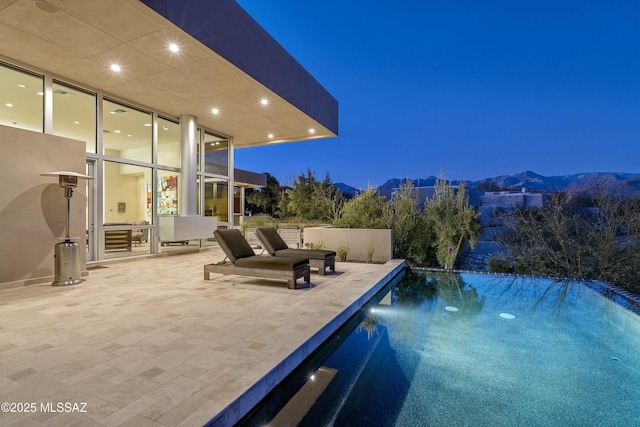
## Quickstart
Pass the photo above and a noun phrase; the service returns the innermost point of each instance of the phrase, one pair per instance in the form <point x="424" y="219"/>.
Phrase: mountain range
<point x="620" y="184"/>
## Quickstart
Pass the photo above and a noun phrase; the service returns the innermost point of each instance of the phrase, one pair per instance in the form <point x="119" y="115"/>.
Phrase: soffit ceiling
<point x="80" y="40"/>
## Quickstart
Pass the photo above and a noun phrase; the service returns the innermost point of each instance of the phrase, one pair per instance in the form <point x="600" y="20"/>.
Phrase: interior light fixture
<point x="41" y="93"/>
<point x="270" y="136"/>
<point x="174" y="47"/>
<point x="312" y="131"/>
<point x="116" y="131"/>
<point x="9" y="105"/>
<point x="76" y="122"/>
<point x="264" y="101"/>
<point x="115" y="67"/>
<point x="215" y="111"/>
<point x="21" y="85"/>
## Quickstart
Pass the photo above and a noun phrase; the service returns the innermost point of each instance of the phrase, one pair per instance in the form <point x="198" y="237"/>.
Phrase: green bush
<point x="500" y="264"/>
<point x="369" y="210"/>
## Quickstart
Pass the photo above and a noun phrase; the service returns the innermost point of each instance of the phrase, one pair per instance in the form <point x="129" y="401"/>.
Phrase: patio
<point x="150" y="343"/>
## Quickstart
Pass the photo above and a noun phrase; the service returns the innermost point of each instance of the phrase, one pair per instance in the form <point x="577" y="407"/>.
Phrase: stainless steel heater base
<point x="67" y="260"/>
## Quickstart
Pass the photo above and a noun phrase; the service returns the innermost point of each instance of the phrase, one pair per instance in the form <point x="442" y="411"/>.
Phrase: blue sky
<point x="474" y="89"/>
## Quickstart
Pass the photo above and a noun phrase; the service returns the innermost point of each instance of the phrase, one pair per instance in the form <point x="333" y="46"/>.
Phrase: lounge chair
<point x="276" y="246"/>
<point x="244" y="262"/>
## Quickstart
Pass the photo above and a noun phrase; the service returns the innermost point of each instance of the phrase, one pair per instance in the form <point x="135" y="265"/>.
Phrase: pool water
<point x="480" y="350"/>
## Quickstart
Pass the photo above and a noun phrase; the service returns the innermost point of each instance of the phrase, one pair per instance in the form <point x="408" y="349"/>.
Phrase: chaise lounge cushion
<point x="233" y="244"/>
<point x="241" y="254"/>
<point x="308" y="253"/>
<point x="277" y="263"/>
<point x="275" y="245"/>
<point x="246" y="263"/>
<point x="271" y="239"/>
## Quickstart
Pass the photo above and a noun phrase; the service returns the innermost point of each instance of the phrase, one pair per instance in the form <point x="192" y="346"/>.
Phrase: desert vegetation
<point x="431" y="234"/>
<point x="593" y="239"/>
<point x="592" y="235"/>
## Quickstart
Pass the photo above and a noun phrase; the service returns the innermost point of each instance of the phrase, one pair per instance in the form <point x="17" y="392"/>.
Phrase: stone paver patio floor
<point x="150" y="343"/>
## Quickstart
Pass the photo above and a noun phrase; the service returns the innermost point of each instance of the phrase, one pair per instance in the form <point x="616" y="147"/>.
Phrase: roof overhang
<point x="226" y="61"/>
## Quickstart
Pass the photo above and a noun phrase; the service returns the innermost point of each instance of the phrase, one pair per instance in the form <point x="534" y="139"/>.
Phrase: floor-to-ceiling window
<point x="126" y="209"/>
<point x="127" y="132"/>
<point x="214" y="179"/>
<point x="21" y="99"/>
<point x="133" y="153"/>
<point x="168" y="142"/>
<point x="75" y="114"/>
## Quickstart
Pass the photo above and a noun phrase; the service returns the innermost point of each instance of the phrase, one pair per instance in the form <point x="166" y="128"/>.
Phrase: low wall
<point x="359" y="241"/>
<point x="33" y="208"/>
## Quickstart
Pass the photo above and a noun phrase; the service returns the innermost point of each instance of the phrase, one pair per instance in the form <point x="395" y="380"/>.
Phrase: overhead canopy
<point x="226" y="61"/>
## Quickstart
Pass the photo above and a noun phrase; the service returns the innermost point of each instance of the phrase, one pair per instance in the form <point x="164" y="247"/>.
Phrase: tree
<point x="314" y="200"/>
<point x="264" y="200"/>
<point x="413" y="240"/>
<point x="300" y="195"/>
<point x="601" y="242"/>
<point x="453" y="221"/>
<point x="368" y="210"/>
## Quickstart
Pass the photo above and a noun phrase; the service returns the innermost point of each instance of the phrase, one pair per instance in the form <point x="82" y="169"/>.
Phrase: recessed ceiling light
<point x="270" y="136"/>
<point x="21" y="85"/>
<point x="147" y="125"/>
<point x="9" y="104"/>
<point x="116" y="131"/>
<point x="312" y="131"/>
<point x="264" y="101"/>
<point x="115" y="67"/>
<point x="41" y="93"/>
<point x="215" y="111"/>
<point x="76" y="122"/>
<point x="174" y="47"/>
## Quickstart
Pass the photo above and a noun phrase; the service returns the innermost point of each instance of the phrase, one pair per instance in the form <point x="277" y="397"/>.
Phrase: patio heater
<point x="67" y="255"/>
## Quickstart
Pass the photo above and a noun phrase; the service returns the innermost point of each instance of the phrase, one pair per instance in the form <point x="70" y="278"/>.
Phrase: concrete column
<point x="188" y="165"/>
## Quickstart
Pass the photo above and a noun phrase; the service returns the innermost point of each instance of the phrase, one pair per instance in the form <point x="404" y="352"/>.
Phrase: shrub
<point x="343" y="252"/>
<point x="500" y="264"/>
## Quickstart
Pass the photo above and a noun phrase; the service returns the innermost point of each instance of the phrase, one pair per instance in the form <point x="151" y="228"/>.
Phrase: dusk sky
<point x="474" y="89"/>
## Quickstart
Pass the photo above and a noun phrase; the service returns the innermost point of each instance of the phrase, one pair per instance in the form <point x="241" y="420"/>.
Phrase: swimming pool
<point x="467" y="349"/>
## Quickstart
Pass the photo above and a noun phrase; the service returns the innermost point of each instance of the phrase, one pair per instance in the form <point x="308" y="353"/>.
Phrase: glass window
<point x="168" y="182"/>
<point x="21" y="99"/>
<point x="126" y="194"/>
<point x="74" y="114"/>
<point x="216" y="198"/>
<point x="168" y="143"/>
<point x="126" y="132"/>
<point x="216" y="154"/>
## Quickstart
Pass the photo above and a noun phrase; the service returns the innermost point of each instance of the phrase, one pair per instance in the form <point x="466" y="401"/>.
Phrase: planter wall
<point x="359" y="240"/>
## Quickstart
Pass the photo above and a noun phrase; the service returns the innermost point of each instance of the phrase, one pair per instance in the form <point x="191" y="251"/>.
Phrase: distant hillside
<point x="347" y="190"/>
<point x="619" y="184"/>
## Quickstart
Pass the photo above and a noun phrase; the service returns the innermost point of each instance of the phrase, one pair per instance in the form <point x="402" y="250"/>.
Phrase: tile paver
<point x="151" y="343"/>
